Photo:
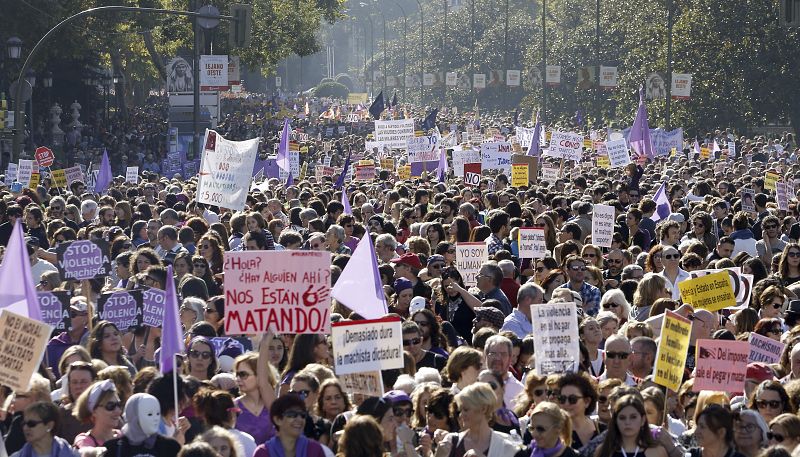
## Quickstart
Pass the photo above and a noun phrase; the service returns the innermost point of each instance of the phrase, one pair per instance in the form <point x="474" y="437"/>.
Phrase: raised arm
<point x="266" y="387"/>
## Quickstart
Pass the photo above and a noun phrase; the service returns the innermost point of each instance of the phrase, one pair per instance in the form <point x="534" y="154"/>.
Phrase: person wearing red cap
<point x="408" y="266"/>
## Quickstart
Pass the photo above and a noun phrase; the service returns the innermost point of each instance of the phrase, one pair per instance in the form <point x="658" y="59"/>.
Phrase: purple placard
<point x="83" y="259"/>
<point x="153" y="305"/>
<point x="55" y="309"/>
<point x="418" y="167"/>
<point x="122" y="308"/>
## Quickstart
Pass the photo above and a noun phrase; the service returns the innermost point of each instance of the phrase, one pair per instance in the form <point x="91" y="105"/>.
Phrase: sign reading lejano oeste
<point x="281" y="291"/>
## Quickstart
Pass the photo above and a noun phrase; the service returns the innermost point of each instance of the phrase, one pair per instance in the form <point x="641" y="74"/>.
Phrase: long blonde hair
<point x="559" y="417"/>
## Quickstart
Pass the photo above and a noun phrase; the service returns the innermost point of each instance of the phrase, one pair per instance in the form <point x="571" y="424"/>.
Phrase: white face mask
<point x="149" y="413"/>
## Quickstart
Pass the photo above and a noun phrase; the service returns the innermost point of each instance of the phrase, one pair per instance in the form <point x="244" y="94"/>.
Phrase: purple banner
<point x="122" y="308"/>
<point x="83" y="259"/>
<point x="153" y="304"/>
<point x="55" y="309"/>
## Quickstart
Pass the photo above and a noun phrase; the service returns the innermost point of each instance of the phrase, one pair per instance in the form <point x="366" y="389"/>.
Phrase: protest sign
<point x="59" y="178"/>
<point x="731" y="149"/>
<point x="73" y="174"/>
<point x="721" y="365"/>
<point x="608" y="77"/>
<point x="11" y="173"/>
<point x="394" y="133"/>
<point x="387" y="164"/>
<point x="472" y="174"/>
<point x="618" y="154"/>
<point x="748" y="204"/>
<point x="710" y="292"/>
<point x="226" y="171"/>
<point x="764" y="349"/>
<point x="602" y="225"/>
<point x="469" y="258"/>
<point x="55" y="309"/>
<point x="404" y="172"/>
<point x="531" y="243"/>
<point x="367" y="345"/>
<point x="23" y="343"/>
<point x="782" y="195"/>
<point x="423" y="154"/>
<point x="525" y="136"/>
<point x="770" y="178"/>
<point x="552" y="75"/>
<point x="24" y="171"/>
<point x="122" y="308"/>
<point x="519" y="174"/>
<point x="566" y="145"/>
<point x="742" y="284"/>
<point x="153" y="303"/>
<point x="132" y="175"/>
<point x="34" y="181"/>
<point x="44" y="156"/>
<point x="83" y="259"/>
<point x="603" y="162"/>
<point x="369" y="384"/>
<point x="460" y="158"/>
<point x="496" y="155"/>
<point x="672" y="350"/>
<point x="282" y="291"/>
<point x="365" y="172"/>
<point x="550" y="173"/>
<point x="555" y="330"/>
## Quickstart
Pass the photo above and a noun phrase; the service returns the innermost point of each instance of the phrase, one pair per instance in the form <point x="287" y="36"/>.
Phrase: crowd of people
<point x="468" y="387"/>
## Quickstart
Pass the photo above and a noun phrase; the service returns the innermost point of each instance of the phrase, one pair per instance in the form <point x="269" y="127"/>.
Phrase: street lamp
<point x="107" y="81"/>
<point x="47" y="81"/>
<point x="30" y="76"/>
<point x="14" y="46"/>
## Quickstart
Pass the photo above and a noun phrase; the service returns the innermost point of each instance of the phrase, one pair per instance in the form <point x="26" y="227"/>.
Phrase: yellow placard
<point x="404" y="172"/>
<point x="672" y="350"/>
<point x="59" y="178"/>
<point x="365" y="162"/>
<point x="387" y="164"/>
<point x="705" y="153"/>
<point x="710" y="292"/>
<point x="603" y="162"/>
<point x="587" y="143"/>
<point x="770" y="179"/>
<point x="354" y="98"/>
<point x="519" y="174"/>
<point x="303" y="171"/>
<point x="34" y="180"/>
<point x="547" y="136"/>
<point x="673" y="152"/>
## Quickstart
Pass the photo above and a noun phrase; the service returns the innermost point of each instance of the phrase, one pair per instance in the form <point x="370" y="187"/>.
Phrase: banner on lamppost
<point x="513" y="78"/>
<point x="553" y="75"/>
<point x="214" y="72"/>
<point x="656" y="87"/>
<point x="609" y="78"/>
<point x="451" y="78"/>
<point x="479" y="81"/>
<point x="681" y="86"/>
<point x="586" y="78"/>
<point x="179" y="76"/>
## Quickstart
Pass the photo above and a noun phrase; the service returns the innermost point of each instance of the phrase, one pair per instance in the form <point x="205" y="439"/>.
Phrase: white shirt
<point x="512" y="389"/>
<point x="40" y="267"/>
<point x="682" y="276"/>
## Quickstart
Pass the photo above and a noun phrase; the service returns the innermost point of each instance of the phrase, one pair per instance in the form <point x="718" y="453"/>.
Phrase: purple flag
<point x="350" y="289"/>
<point x="340" y="182"/>
<point x="640" y="132"/>
<point x="441" y="170"/>
<point x="104" y="177"/>
<point x="663" y="208"/>
<point x="283" y="148"/>
<point x="534" y="150"/>
<point x="346" y="203"/>
<point x="17" y="284"/>
<point x="171" y="334"/>
<point x="289" y="179"/>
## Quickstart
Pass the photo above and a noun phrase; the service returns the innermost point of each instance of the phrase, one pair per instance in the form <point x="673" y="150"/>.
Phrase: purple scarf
<point x="536" y="451"/>
<point x="275" y="447"/>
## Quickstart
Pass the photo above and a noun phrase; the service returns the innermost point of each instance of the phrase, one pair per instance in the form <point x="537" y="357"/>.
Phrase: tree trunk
<point x="121" y="88"/>
<point x="158" y="62"/>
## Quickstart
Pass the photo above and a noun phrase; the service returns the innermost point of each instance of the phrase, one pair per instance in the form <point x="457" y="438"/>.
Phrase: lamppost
<point x="670" y="24"/>
<point x="107" y="81"/>
<point x="30" y="77"/>
<point x="422" y="50"/>
<point x="117" y="80"/>
<point x="405" y="37"/>
<point x="47" y="82"/>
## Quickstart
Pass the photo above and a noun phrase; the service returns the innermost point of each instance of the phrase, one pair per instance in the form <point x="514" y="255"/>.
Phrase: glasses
<point x="451" y="251"/>
<point x="538" y="392"/>
<point x="571" y="399"/>
<point x="777" y="305"/>
<point x="291" y="414"/>
<point x="793" y="253"/>
<point x="747" y="428"/>
<point x="617" y="355"/>
<point x="577" y="268"/>
<point x="112" y="405"/>
<point x="412" y="342"/>
<point x="774" y="436"/>
<point x="493" y="354"/>
<point x="539" y="269"/>
<point x="437" y="266"/>
<point x="74" y="314"/>
<point x="209" y="310"/>
<point x="610" y="305"/>
<point x="493" y="385"/>
<point x="615" y="260"/>
<point x="32" y="423"/>
<point x="423" y="323"/>
<point x="672" y="256"/>
<point x="770" y="226"/>
<point x="199" y="265"/>
<point x="243" y="374"/>
<point x="602" y="399"/>
<point x="776" y="330"/>
<point x="198" y="354"/>
<point x="692" y="317"/>
<point x="774" y="404"/>
<point x="303" y="394"/>
<point x="402" y="412"/>
<point x="590" y="255"/>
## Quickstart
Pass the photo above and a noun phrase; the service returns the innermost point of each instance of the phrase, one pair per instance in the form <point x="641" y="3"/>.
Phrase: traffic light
<point x="789" y="15"/>
<point x="241" y="26"/>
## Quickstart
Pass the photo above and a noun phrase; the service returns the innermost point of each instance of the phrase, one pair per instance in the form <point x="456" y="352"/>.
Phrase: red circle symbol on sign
<point x="44" y="156"/>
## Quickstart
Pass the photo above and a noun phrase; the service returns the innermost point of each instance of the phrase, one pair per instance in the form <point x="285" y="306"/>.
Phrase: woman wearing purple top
<point x="347" y="221"/>
<point x="257" y="384"/>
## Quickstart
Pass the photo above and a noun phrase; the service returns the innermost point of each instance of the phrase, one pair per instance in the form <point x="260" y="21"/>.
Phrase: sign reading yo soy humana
<point x="281" y="291"/>
<point x="83" y="259"/>
<point x="469" y="258"/>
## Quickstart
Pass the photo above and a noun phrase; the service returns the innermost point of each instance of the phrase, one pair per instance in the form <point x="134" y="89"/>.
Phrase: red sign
<point x="472" y="174"/>
<point x="44" y="156"/>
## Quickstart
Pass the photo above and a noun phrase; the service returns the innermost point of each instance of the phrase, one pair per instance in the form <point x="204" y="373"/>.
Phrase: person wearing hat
<point x="408" y="266"/>
<point x="77" y="333"/>
<point x="403" y="292"/>
<point x="436" y="264"/>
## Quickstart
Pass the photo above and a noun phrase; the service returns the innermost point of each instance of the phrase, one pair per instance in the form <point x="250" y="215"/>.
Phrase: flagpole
<point x="175" y="386"/>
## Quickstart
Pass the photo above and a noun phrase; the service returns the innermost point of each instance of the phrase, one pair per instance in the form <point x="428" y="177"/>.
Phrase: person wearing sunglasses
<point x="789" y="264"/>
<point x="617" y="353"/>
<point x="40" y="423"/>
<point x="100" y="406"/>
<point x="412" y="342"/>
<point x="771" y="400"/>
<point x="288" y="414"/>
<point x="672" y="271"/>
<point x="576" y="270"/>
<point x="784" y="432"/>
<point x="551" y="430"/>
<point x="577" y="396"/>
<point x="201" y="361"/>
